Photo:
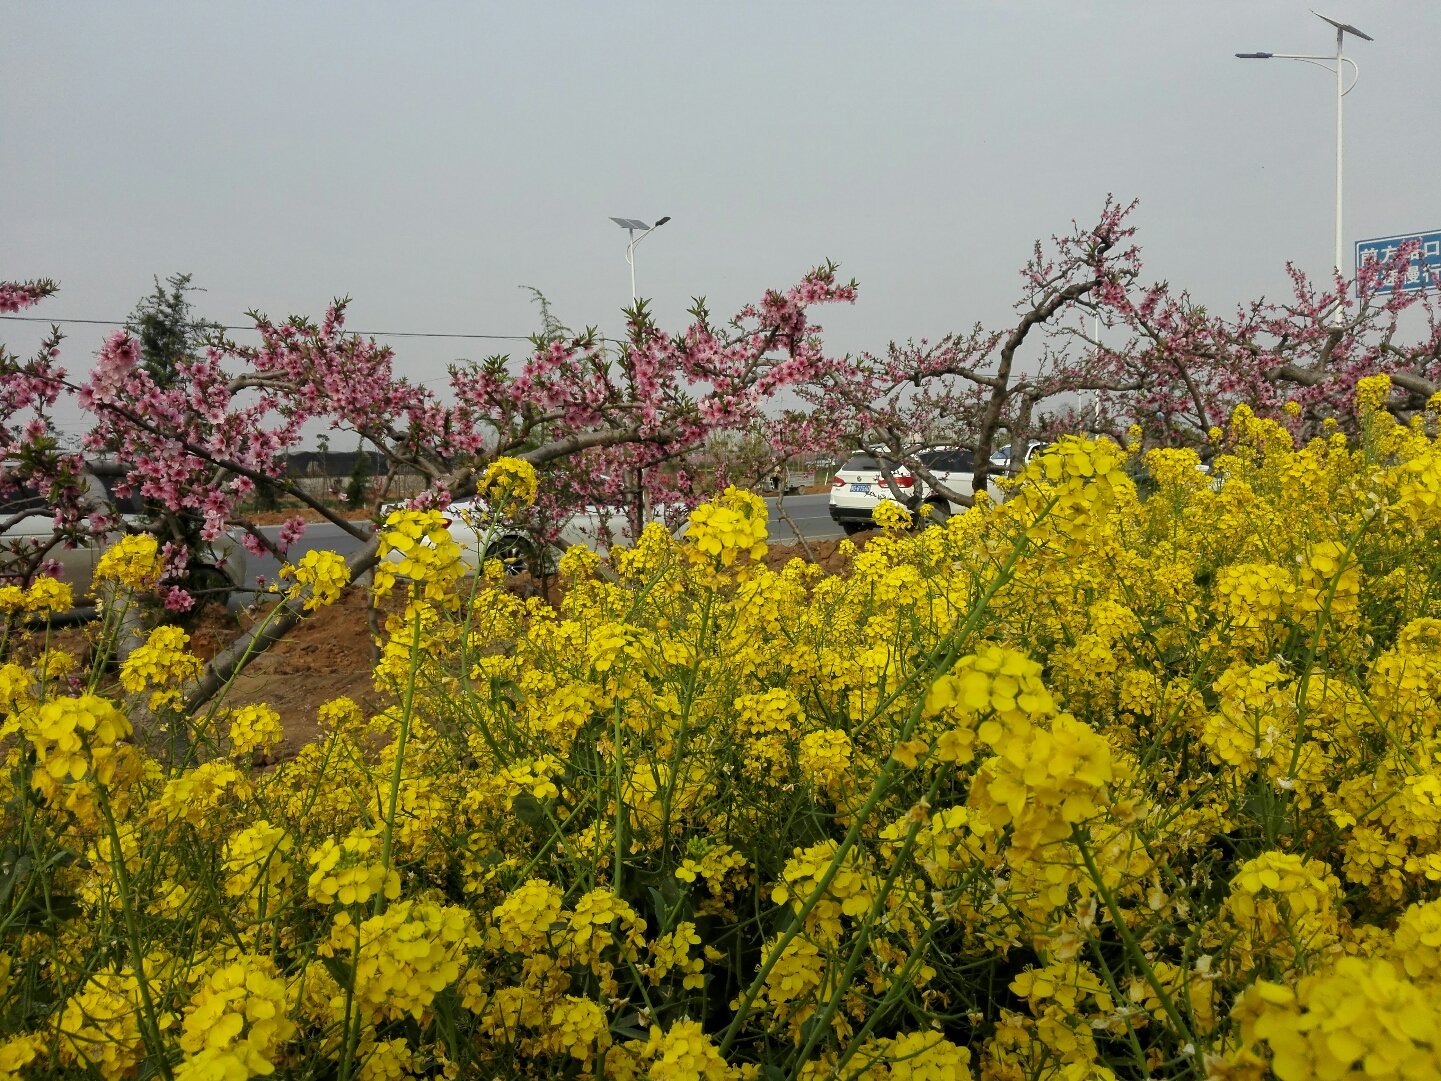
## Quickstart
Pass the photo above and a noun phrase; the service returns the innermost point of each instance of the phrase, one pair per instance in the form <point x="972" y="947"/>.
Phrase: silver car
<point x="28" y="539"/>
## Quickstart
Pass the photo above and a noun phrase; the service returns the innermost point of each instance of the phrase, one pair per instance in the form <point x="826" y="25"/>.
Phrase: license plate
<point x="861" y="488"/>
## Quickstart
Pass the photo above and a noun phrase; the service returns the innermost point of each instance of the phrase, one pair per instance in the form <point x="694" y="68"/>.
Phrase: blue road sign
<point x="1422" y="272"/>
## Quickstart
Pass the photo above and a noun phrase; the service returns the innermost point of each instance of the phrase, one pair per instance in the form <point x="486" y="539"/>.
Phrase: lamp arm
<point x="1314" y="62"/>
<point x="1355" y="74"/>
<point x="1324" y="62"/>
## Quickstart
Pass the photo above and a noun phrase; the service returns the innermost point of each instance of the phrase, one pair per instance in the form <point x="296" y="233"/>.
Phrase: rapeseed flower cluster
<point x="892" y="515"/>
<point x="258" y="865"/>
<point x="254" y="728"/>
<point x="236" y="1022"/>
<point x="160" y="665"/>
<point x="72" y="738"/>
<point x="133" y="562"/>
<point x="351" y="871"/>
<point x="320" y="577"/>
<point x="732" y="529"/>
<point x="1134" y="773"/>
<point x="509" y="483"/>
<point x="99" y="1027"/>
<point x="402" y="957"/>
<point x="417" y="545"/>
<point x="44" y="595"/>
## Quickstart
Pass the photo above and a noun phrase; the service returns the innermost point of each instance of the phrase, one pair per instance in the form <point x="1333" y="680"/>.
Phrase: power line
<point x="362" y="333"/>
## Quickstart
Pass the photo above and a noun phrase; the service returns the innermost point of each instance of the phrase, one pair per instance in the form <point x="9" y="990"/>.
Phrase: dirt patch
<point x="328" y="655"/>
<point x="825" y="553"/>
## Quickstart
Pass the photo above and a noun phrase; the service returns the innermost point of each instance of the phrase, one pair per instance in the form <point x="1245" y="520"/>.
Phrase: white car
<point x="860" y="485"/>
<point x="1001" y="459"/>
<point x="483" y="536"/>
<point x="27" y="531"/>
<point x="866" y="480"/>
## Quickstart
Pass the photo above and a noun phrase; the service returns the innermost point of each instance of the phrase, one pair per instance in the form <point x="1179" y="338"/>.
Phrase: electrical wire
<point x="361" y="333"/>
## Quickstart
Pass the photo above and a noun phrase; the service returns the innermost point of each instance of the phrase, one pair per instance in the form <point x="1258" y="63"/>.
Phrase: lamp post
<point x="632" y="226"/>
<point x="1342" y="29"/>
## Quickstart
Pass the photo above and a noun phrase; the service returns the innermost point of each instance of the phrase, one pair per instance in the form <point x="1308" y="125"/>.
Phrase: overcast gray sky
<point x="429" y="159"/>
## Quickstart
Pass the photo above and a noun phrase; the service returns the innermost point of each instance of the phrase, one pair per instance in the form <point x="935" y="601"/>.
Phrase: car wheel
<point x="935" y="514"/>
<point x="517" y="554"/>
<point x="209" y="585"/>
<point x="852" y="528"/>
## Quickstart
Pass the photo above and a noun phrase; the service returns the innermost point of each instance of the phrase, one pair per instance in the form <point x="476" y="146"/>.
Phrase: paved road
<point x="810" y="514"/>
<point x="321" y="536"/>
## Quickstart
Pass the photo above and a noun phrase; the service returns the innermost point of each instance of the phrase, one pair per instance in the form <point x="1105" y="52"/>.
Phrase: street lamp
<point x="1342" y="29"/>
<point x="631" y="225"/>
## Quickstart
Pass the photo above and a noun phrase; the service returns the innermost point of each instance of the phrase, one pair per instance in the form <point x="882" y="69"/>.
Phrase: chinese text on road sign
<point x="1423" y="270"/>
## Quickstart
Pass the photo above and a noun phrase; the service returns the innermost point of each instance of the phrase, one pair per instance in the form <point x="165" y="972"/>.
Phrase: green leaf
<point x="11" y="875"/>
<point x="529" y="810"/>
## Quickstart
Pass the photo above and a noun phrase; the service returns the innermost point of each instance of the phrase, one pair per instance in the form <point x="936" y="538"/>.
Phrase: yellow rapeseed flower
<point x="323" y="574"/>
<point x="133" y="562"/>
<point x="508" y="482"/>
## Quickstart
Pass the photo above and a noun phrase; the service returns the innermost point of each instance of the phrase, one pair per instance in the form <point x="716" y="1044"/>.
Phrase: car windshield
<point x="867" y="463"/>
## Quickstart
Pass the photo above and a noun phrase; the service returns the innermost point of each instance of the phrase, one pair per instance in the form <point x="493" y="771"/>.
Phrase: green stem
<point x="863" y="938"/>
<point x="150" y="1027"/>
<point x="1117" y="998"/>
<point x="352" y="1017"/>
<point x="1133" y="948"/>
<point x="879" y="790"/>
<point x="683" y="729"/>
<point x="402" y="737"/>
<point x="619" y="795"/>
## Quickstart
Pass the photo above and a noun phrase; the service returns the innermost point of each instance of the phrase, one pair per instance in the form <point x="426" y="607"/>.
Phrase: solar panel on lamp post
<point x="630" y="225"/>
<point x="1340" y="60"/>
